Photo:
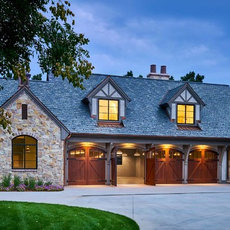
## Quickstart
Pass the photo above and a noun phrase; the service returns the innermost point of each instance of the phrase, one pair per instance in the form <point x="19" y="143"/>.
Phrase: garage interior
<point x="130" y="166"/>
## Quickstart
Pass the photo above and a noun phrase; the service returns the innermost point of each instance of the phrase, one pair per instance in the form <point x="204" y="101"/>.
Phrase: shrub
<point x="17" y="181"/>
<point x="26" y="182"/>
<point x="6" y="181"/>
<point x="40" y="182"/>
<point x="48" y="183"/>
<point x="21" y="188"/>
<point x="32" y="183"/>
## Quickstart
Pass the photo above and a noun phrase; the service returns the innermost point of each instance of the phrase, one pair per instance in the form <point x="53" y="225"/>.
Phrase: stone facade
<point x="50" y="161"/>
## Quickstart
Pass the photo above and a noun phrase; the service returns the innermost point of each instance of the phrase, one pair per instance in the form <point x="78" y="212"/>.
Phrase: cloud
<point x="119" y="43"/>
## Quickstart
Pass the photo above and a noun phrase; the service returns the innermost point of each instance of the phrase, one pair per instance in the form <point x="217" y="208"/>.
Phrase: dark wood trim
<point x="151" y="138"/>
<point x="118" y="115"/>
<point x="12" y="166"/>
<point x="194" y="114"/>
<point x="24" y="111"/>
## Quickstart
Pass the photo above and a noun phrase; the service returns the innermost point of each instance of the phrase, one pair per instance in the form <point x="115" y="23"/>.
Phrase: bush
<point x="26" y="182"/>
<point x="32" y="183"/>
<point x="21" y="188"/>
<point x="17" y="181"/>
<point x="48" y="183"/>
<point x="6" y="181"/>
<point x="40" y="182"/>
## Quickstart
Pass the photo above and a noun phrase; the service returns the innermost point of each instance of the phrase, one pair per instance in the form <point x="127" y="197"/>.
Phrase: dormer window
<point x="107" y="103"/>
<point x="185" y="114"/>
<point x="108" y="110"/>
<point x="183" y="106"/>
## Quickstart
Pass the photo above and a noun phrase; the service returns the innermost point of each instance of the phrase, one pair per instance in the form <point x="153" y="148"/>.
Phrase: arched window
<point x="24" y="155"/>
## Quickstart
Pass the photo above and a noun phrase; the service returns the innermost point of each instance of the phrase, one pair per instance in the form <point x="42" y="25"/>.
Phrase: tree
<point x="191" y="76"/>
<point x="140" y="76"/>
<point x="171" y="78"/>
<point x="37" y="77"/>
<point x="26" y="29"/>
<point x="129" y="74"/>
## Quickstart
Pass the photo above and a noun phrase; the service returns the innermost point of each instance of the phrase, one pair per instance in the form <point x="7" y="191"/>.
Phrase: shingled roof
<point x="144" y="116"/>
<point x="173" y="93"/>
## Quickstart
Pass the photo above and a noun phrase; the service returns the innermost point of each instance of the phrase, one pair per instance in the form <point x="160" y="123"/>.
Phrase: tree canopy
<point x="44" y="28"/>
<point x="191" y="76"/>
<point x="129" y="74"/>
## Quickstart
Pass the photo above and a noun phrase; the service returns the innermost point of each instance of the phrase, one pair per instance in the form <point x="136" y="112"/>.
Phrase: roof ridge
<point x="150" y="79"/>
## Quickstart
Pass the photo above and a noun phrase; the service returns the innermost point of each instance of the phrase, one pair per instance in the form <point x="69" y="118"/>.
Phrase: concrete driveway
<point x="152" y="207"/>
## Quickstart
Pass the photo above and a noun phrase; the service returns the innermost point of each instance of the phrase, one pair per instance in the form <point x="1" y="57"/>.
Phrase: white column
<point x="187" y="149"/>
<point x="224" y="166"/>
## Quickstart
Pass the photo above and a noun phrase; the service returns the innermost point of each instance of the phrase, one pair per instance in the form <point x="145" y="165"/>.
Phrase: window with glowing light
<point x="77" y="153"/>
<point x="174" y="154"/>
<point x="185" y="114"/>
<point x="96" y="153"/>
<point x="108" y="110"/>
<point x="24" y="155"/>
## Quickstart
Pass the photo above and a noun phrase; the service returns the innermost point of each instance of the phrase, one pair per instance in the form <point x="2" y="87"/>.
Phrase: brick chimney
<point x="161" y="76"/>
<point x="26" y="82"/>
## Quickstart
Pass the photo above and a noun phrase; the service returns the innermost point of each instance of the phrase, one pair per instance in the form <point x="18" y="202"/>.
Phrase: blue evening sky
<point x="131" y="35"/>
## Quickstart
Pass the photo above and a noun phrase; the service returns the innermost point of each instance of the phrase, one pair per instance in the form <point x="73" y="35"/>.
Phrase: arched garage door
<point x="86" y="166"/>
<point x="202" y="166"/>
<point x="168" y="166"/>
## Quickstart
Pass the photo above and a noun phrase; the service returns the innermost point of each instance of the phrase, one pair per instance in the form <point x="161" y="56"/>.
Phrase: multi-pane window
<point x="108" y="110"/>
<point x="185" y="114"/>
<point x="77" y="153"/>
<point x="96" y="153"/>
<point x="24" y="155"/>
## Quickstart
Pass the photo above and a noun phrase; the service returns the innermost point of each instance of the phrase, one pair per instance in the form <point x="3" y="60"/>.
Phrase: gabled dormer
<point x="183" y="105"/>
<point x="107" y="102"/>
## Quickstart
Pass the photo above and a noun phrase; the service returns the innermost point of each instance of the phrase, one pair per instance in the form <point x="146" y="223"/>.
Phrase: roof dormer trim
<point x="169" y="99"/>
<point x="100" y="86"/>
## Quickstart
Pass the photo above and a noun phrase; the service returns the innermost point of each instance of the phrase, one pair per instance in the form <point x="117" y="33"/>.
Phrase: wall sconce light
<point x="137" y="154"/>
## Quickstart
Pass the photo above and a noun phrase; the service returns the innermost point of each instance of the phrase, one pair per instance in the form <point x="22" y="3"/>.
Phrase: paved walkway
<point x="153" y="207"/>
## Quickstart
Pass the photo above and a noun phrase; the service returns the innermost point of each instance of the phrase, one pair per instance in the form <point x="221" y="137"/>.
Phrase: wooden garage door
<point x="86" y="166"/>
<point x="168" y="167"/>
<point x="202" y="167"/>
<point x="150" y="168"/>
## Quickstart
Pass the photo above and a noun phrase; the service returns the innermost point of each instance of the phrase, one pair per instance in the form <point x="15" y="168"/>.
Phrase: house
<point x="118" y="130"/>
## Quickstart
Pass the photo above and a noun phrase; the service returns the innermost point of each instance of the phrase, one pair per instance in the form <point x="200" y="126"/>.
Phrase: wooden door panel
<point x="96" y="171"/>
<point x="174" y="171"/>
<point x="77" y="172"/>
<point x="150" y="171"/>
<point x="86" y="170"/>
<point x="210" y="171"/>
<point x="160" y="174"/>
<point x="202" y="171"/>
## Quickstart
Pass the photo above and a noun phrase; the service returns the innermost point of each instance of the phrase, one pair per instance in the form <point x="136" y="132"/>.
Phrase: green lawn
<point x="22" y="216"/>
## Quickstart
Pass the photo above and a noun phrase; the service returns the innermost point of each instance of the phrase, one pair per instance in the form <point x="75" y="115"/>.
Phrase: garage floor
<point x="130" y="180"/>
<point x="196" y="206"/>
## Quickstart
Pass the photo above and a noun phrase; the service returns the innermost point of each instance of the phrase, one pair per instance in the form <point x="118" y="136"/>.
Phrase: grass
<point x="23" y="216"/>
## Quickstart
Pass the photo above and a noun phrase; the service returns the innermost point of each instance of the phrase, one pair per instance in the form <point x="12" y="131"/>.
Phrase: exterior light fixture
<point x="137" y="154"/>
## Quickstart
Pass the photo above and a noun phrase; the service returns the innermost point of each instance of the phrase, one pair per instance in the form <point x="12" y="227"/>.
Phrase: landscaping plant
<point x="6" y="181"/>
<point x="17" y="181"/>
<point x="28" y="184"/>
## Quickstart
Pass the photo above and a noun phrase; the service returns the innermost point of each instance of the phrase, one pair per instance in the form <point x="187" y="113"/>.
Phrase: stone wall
<point x="50" y="165"/>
